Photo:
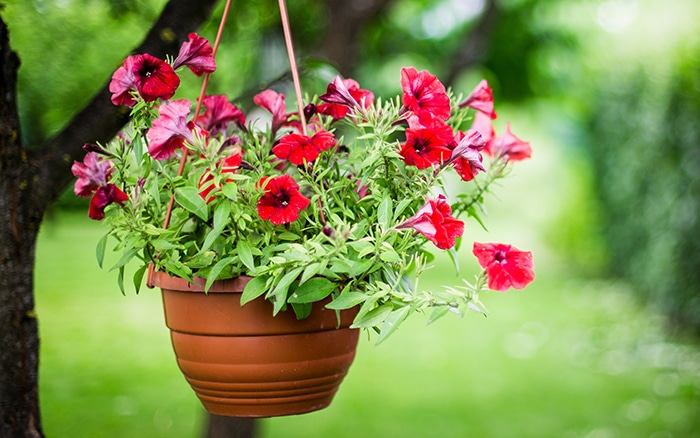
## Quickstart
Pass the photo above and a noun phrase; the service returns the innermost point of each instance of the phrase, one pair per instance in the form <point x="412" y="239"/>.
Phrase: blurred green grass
<point x="564" y="358"/>
<point x="570" y="356"/>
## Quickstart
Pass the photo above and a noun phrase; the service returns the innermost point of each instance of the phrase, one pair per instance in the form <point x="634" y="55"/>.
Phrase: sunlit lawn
<point x="563" y="358"/>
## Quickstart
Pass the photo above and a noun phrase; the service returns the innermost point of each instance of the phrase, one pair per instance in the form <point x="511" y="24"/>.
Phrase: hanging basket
<point x="243" y="362"/>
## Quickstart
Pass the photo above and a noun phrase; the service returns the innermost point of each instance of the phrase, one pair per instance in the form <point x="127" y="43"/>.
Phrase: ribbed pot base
<point x="243" y="362"/>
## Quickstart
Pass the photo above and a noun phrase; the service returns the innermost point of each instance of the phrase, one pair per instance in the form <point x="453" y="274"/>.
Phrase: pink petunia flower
<point x="91" y="173"/>
<point x="123" y="81"/>
<point x="435" y="222"/>
<point x="466" y="156"/>
<point x="282" y="201"/>
<point x="505" y="265"/>
<point x="344" y="96"/>
<point x="425" y="147"/>
<point x="424" y="94"/>
<point x="511" y="147"/>
<point x="481" y="99"/>
<point x="220" y="112"/>
<point x="104" y="196"/>
<point x="154" y="78"/>
<point x="482" y="124"/>
<point x="273" y="102"/>
<point x="301" y="149"/>
<point x="197" y="55"/>
<point x="170" y="129"/>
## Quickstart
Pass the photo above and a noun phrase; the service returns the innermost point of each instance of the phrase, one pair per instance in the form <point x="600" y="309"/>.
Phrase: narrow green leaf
<point x="138" y="277"/>
<point x="255" y="287"/>
<point x="216" y="270"/>
<point x="100" y="250"/>
<point x="246" y="255"/>
<point x="346" y="300"/>
<point x="279" y="293"/>
<point x="222" y="217"/>
<point x="128" y="255"/>
<point x="189" y="199"/>
<point x="313" y="290"/>
<point x="120" y="279"/>
<point x="310" y="270"/>
<point x="384" y="215"/>
<point x="372" y="318"/>
<point x="392" y="322"/>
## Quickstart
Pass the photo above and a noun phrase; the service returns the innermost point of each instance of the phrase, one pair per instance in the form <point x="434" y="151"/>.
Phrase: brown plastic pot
<point x="243" y="362"/>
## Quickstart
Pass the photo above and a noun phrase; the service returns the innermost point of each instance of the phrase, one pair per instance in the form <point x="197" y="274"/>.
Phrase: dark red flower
<point x="343" y="96"/>
<point x="220" y="112"/>
<point x="424" y="94"/>
<point x="170" y="129"/>
<point x="123" y="82"/>
<point x="274" y="103"/>
<point x="481" y="99"/>
<point x="197" y="55"/>
<point x="105" y="195"/>
<point x="466" y="156"/>
<point x="435" y="222"/>
<point x="511" y="147"/>
<point x="227" y="165"/>
<point x="300" y="149"/>
<point x="425" y="147"/>
<point x="282" y="201"/>
<point x="154" y="78"/>
<point x="91" y="173"/>
<point x="506" y="266"/>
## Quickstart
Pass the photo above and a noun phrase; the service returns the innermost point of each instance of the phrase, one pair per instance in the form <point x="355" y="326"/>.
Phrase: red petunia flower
<point x="424" y="94"/>
<point x="197" y="55"/>
<point x="105" y="195"/>
<point x="300" y="149"/>
<point x="433" y="221"/>
<point x="505" y="265"/>
<point x="343" y="96"/>
<point x="170" y="129"/>
<point x="425" y="147"/>
<point x="274" y="103"/>
<point x="466" y="156"/>
<point x="91" y="173"/>
<point x="154" y="78"/>
<point x="123" y="81"/>
<point x="282" y="201"/>
<point x="511" y="147"/>
<point x="220" y="112"/>
<point x="206" y="181"/>
<point x="481" y="99"/>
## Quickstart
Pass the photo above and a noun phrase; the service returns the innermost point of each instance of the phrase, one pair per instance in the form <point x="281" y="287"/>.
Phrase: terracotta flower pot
<point x="243" y="362"/>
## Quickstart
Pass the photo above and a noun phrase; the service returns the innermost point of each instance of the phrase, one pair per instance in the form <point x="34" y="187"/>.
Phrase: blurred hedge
<point x="645" y="141"/>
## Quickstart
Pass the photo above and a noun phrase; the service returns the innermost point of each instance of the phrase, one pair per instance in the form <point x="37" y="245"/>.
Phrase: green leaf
<point x="279" y="293"/>
<point x="313" y="290"/>
<point x="255" y="287"/>
<point x="346" y="300"/>
<point x="138" y="277"/>
<point x="128" y="255"/>
<point x="100" y="250"/>
<point x="189" y="199"/>
<point x="384" y="215"/>
<point x="201" y="260"/>
<point x="120" y="279"/>
<point x="302" y="310"/>
<point x="246" y="255"/>
<point x="392" y="322"/>
<point x="311" y="270"/>
<point x="372" y="318"/>
<point x="216" y="270"/>
<point x="438" y="313"/>
<point x="222" y="217"/>
<point x="163" y="245"/>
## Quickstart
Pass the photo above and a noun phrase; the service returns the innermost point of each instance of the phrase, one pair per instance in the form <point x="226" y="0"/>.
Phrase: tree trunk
<point x="30" y="180"/>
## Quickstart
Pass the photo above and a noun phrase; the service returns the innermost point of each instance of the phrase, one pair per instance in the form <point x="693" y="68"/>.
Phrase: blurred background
<point x="603" y="344"/>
